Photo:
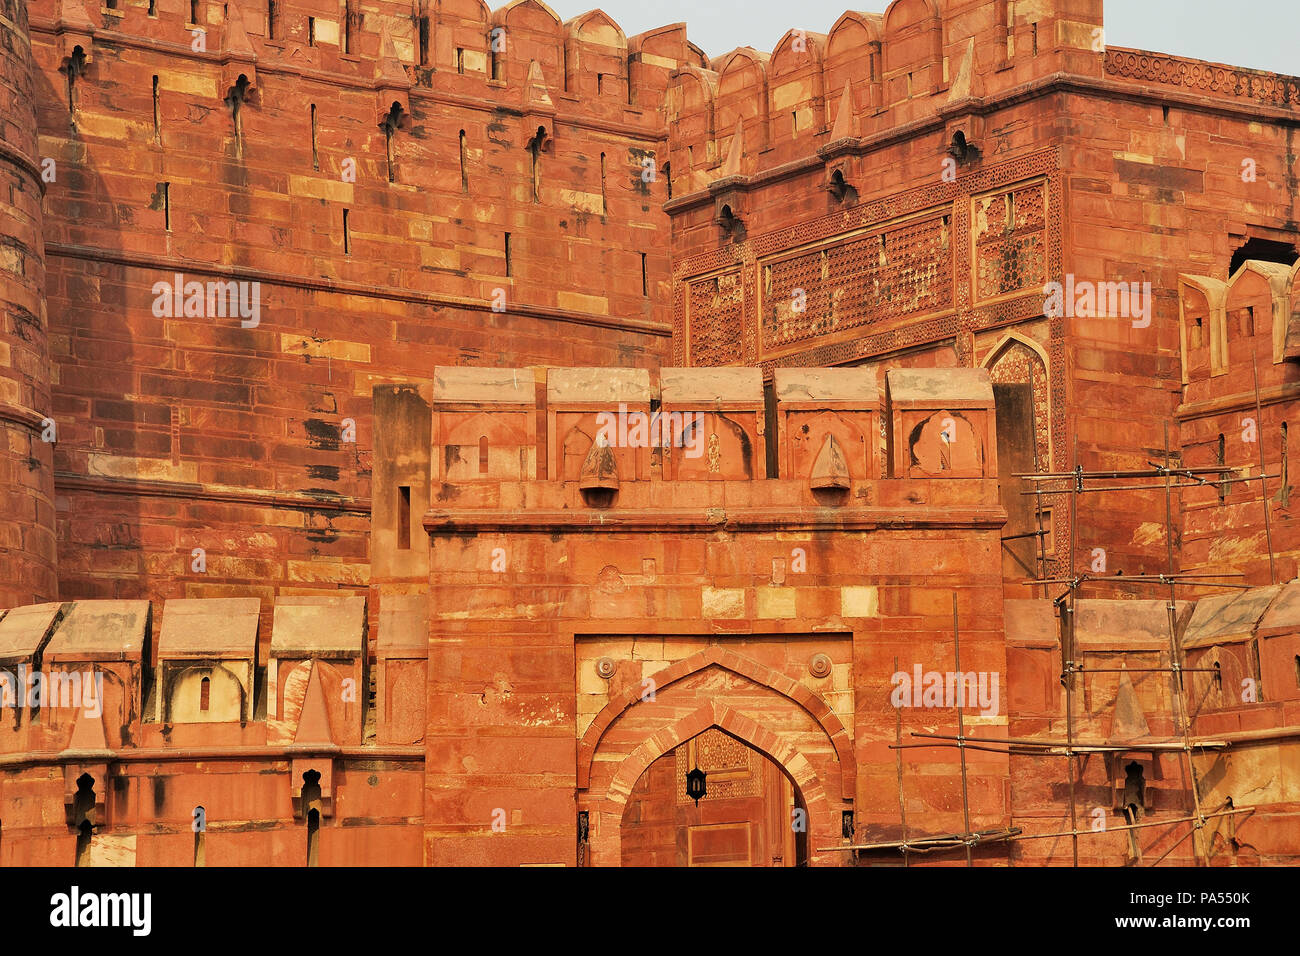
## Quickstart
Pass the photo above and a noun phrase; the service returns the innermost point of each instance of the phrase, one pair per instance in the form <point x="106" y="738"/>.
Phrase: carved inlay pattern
<point x="1034" y="184"/>
<point x="716" y="310"/>
<point x="733" y="769"/>
<point x="894" y="273"/>
<point x="1010" y="242"/>
<point x="1209" y="78"/>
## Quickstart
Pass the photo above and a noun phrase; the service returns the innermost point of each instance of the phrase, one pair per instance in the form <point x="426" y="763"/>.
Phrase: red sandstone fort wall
<point x="255" y="444"/>
<point x="918" y="176"/>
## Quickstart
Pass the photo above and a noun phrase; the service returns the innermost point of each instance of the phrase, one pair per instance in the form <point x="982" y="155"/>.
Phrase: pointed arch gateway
<point x="607" y="808"/>
<point x="769" y="712"/>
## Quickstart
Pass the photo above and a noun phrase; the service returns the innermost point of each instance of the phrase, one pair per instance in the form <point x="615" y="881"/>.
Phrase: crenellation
<point x="428" y="431"/>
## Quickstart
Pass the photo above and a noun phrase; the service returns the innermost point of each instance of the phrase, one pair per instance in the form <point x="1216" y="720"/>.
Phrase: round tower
<point x="27" y="558"/>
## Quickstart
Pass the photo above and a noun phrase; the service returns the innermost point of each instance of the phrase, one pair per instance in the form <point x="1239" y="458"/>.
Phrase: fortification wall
<point x="821" y="215"/>
<point x="1166" y="182"/>
<point x="27" y="546"/>
<point x="211" y="151"/>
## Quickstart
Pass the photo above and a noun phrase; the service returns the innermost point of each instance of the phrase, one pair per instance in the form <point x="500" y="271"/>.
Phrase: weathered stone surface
<point x="1231" y="617"/>
<point x="101" y="631"/>
<point x="462" y="256"/>
<point x="24" y="630"/>
<point x="209" y="627"/>
<point x="311" y="625"/>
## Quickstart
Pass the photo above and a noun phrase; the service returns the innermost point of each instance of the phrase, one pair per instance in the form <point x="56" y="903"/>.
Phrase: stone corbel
<point x="837" y="182"/>
<point x="232" y="70"/>
<point x="385" y="99"/>
<point x="963" y="136"/>
<point x="75" y="28"/>
<point x="537" y="108"/>
<point x="392" y="85"/>
<point x="729" y="210"/>
<point x="323" y="766"/>
<point x="72" y="772"/>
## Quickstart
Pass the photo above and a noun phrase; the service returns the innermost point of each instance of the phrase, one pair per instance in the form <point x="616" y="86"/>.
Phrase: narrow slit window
<point x="311" y="31"/>
<point x="404" y="517"/>
<point x="668" y="178"/>
<point x="347" y="239"/>
<point x="153" y="8"/>
<point x="1034" y="35"/>
<point x="645" y="280"/>
<point x="483" y="455"/>
<point x="235" y="101"/>
<point x="313" y="837"/>
<point x="310" y="797"/>
<point x="73" y="66"/>
<point x="1284" y="493"/>
<point x="1297" y="670"/>
<point x="391" y="122"/>
<point x="167" y="205"/>
<point x="460" y="60"/>
<point x="352" y="26"/>
<point x="794" y="122"/>
<point x="464" y="165"/>
<point x="83" y="844"/>
<point x="424" y="36"/>
<point x="157" y="115"/>
<point x="535" y="154"/>
<point x="315" y="143"/>
<point x="1221" y="461"/>
<point x="194" y="11"/>
<point x="272" y="20"/>
<point x="83" y="809"/>
<point x="205" y="694"/>
<point x="509" y="266"/>
<point x="604" y="199"/>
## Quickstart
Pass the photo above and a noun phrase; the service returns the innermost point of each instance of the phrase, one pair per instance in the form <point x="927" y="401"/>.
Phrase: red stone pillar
<point x="27" y="555"/>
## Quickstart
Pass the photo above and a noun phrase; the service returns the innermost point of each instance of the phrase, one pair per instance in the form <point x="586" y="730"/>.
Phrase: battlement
<point x="608" y="427"/>
<point x="529" y="448"/>
<point x="750" y="111"/>
<point x="586" y="64"/>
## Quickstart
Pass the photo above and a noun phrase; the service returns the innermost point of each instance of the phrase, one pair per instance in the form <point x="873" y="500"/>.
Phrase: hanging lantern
<point x="695" y="785"/>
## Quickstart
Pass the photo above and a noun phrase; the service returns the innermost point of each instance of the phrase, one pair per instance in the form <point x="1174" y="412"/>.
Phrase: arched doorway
<point x="752" y="813"/>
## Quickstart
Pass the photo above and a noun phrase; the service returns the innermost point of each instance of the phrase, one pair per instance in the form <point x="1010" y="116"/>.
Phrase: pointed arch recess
<point x="746" y="667"/>
<point x="606" y="843"/>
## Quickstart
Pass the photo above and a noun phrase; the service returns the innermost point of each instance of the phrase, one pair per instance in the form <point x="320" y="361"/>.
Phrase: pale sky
<point x="1261" y="34"/>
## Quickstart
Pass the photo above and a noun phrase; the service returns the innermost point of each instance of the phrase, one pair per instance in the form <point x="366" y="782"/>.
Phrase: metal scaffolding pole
<point x="1070" y="748"/>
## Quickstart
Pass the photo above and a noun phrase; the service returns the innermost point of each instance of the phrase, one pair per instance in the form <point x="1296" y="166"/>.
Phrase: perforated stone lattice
<point x="1204" y="77"/>
<point x="734" y="770"/>
<point x="718" y="302"/>
<point x="1021" y="260"/>
<point x="891" y="274"/>
<point x="1010" y="246"/>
